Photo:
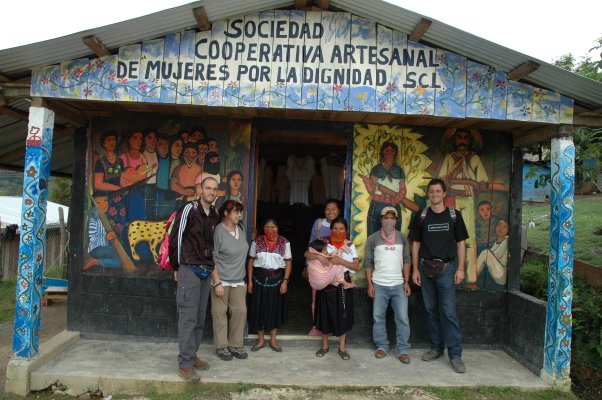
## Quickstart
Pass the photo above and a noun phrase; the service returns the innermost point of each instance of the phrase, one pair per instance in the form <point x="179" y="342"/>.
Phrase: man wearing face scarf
<point x="387" y="267"/>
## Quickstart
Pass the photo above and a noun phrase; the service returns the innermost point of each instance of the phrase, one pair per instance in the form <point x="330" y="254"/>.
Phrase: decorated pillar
<point x="33" y="232"/>
<point x="557" y="350"/>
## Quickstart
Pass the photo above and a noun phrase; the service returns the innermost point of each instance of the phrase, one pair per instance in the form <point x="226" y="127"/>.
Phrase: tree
<point x="60" y="191"/>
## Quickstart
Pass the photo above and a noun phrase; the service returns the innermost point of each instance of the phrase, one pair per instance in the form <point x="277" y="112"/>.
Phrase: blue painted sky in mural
<point x="529" y="27"/>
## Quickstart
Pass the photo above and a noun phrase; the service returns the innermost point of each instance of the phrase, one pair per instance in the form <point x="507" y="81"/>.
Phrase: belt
<point x="445" y="260"/>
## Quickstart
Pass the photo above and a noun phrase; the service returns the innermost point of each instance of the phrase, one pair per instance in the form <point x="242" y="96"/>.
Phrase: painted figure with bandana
<point x="386" y="185"/>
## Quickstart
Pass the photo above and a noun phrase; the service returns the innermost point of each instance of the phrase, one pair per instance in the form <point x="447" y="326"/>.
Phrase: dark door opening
<point x="302" y="155"/>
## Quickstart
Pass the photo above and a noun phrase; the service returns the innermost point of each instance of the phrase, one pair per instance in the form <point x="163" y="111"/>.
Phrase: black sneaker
<point x="224" y="354"/>
<point x="238" y="352"/>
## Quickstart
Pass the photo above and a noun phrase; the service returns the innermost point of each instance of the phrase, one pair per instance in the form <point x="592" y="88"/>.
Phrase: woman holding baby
<point x="334" y="304"/>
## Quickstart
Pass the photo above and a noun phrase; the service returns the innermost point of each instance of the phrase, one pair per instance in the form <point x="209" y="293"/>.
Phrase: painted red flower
<point x="79" y="71"/>
<point x="338" y="88"/>
<point x="142" y="86"/>
<point x="87" y="91"/>
<point x="122" y="212"/>
<point x="391" y="87"/>
<point x="112" y="76"/>
<point x="123" y="80"/>
<point x="112" y="211"/>
<point x="383" y="106"/>
<point x="45" y="80"/>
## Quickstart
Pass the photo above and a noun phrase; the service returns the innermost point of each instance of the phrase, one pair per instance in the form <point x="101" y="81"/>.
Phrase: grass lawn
<point x="588" y="221"/>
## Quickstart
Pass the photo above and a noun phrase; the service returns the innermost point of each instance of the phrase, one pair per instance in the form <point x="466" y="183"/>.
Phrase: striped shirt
<point x="96" y="233"/>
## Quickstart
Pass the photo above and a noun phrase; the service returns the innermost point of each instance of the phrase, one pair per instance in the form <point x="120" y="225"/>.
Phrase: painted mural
<point x="392" y="166"/>
<point x="293" y="59"/>
<point x="141" y="169"/>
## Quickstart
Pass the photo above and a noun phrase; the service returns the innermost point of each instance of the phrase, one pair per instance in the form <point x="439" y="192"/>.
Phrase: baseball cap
<point x="389" y="210"/>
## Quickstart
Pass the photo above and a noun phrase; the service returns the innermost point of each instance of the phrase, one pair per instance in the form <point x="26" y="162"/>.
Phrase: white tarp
<point x="10" y="211"/>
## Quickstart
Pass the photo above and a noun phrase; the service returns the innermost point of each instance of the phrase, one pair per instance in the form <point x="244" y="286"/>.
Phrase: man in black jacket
<point x="191" y="255"/>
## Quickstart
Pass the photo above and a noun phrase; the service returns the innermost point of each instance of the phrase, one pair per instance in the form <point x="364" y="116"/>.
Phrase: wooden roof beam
<point x="96" y="46"/>
<point x="69" y="113"/>
<point x="324" y="4"/>
<point x="300" y="4"/>
<point x="523" y="70"/>
<point x="4" y="78"/>
<point x="201" y="18"/>
<point x="19" y="153"/>
<point x="523" y="139"/>
<point x="11" y="89"/>
<point x="420" y="30"/>
<point x="13" y="113"/>
<point x="589" y="121"/>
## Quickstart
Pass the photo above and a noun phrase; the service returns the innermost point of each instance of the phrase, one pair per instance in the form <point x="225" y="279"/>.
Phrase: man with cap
<point x="191" y="255"/>
<point x="387" y="267"/>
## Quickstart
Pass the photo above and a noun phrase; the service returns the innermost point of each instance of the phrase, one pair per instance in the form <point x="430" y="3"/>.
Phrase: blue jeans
<point x="439" y="295"/>
<point x="383" y="295"/>
<point x="107" y="257"/>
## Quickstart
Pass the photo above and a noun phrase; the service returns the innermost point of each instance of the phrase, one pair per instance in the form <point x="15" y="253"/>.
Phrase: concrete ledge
<point x="18" y="369"/>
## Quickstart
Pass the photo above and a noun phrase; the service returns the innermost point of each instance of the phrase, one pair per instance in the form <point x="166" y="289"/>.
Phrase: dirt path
<point x="54" y="320"/>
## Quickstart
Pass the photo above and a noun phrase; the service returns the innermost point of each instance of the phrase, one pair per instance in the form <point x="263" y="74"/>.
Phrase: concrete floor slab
<point x="134" y="367"/>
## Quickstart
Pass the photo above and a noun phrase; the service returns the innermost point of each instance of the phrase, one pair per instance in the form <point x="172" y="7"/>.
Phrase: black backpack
<point x="452" y="213"/>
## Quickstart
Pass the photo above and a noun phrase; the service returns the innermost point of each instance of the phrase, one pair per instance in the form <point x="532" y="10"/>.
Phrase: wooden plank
<point x="102" y="74"/>
<point x="96" y="46"/>
<point x="216" y="86"/>
<point x="327" y="43"/>
<point x="546" y="106"/>
<point x="14" y="113"/>
<point x="249" y="88"/>
<point x="499" y="108"/>
<point x="420" y="30"/>
<point x="588" y="121"/>
<point x="151" y="70"/>
<point x="342" y="39"/>
<point x="420" y="100"/>
<point x="200" y="84"/>
<point x="523" y="70"/>
<point x="74" y="79"/>
<point x="541" y="135"/>
<point x="311" y="68"/>
<point x="398" y="74"/>
<point x="45" y="81"/>
<point x="384" y="42"/>
<point x="519" y="101"/>
<point x="480" y="81"/>
<point x="201" y="18"/>
<point x="169" y="83"/>
<point x="566" y="110"/>
<point x="450" y="97"/>
<point x="69" y="113"/>
<point x="276" y="97"/>
<point x="129" y="73"/>
<point x="324" y="4"/>
<point x="300" y="4"/>
<point x="294" y="85"/>
<point x="186" y="60"/>
<point x="231" y="91"/>
<point x="362" y="90"/>
<point x="15" y="90"/>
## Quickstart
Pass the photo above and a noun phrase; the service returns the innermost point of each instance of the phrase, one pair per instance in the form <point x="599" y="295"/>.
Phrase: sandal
<point x="276" y="347"/>
<point x="344" y="355"/>
<point x="321" y="352"/>
<point x="257" y="346"/>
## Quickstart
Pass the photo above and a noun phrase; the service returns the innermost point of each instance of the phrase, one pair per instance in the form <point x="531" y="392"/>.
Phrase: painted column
<point x="33" y="232"/>
<point x="557" y="350"/>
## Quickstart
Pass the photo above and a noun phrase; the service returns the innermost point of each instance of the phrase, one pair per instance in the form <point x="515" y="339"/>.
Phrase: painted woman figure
<point x="176" y="144"/>
<point x="386" y="185"/>
<point x="107" y="178"/>
<point x="233" y="189"/>
<point x="136" y="168"/>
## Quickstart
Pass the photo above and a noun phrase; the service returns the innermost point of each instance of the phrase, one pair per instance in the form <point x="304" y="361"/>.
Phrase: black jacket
<point x="193" y="229"/>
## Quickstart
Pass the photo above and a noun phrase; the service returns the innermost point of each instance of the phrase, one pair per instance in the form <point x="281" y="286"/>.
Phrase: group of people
<point x="208" y="250"/>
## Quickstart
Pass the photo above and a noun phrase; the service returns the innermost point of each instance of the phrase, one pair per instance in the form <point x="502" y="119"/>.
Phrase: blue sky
<point x="544" y="30"/>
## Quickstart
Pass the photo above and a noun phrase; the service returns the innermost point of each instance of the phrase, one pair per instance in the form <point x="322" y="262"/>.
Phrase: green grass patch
<point x="7" y="300"/>
<point x="588" y="221"/>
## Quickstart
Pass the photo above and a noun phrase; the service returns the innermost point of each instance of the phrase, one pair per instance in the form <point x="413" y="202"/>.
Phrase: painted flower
<point x="115" y="95"/>
<point x="99" y="63"/>
<point x="382" y="106"/>
<point x="112" y="211"/>
<point x="525" y="110"/>
<point x="112" y="75"/>
<point x="486" y="110"/>
<point x="117" y="198"/>
<point x="65" y="75"/>
<point x="501" y="85"/>
<point x="423" y="111"/>
<point x="142" y="86"/>
<point x="311" y="92"/>
<point x="87" y="91"/>
<point x="442" y="59"/>
<point x="263" y="104"/>
<point x="32" y="171"/>
<point x="79" y="71"/>
<point x="215" y="94"/>
<point x="491" y="70"/>
<point x="420" y="90"/>
<point x="476" y="76"/>
<point x="338" y="88"/>
<point x="391" y="87"/>
<point x="45" y="80"/>
<point x="361" y="96"/>
<point x="122" y="212"/>
<point x="233" y="84"/>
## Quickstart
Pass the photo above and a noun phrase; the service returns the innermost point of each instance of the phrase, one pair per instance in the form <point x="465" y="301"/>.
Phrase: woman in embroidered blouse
<point x="135" y="171"/>
<point x="107" y="178"/>
<point x="334" y="304"/>
<point x="319" y="230"/>
<point x="268" y="271"/>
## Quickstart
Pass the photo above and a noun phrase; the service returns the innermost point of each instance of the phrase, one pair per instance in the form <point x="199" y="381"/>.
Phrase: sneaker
<point x="458" y="365"/>
<point x="224" y="354"/>
<point x="238" y="352"/>
<point x="404" y="358"/>
<point x="431" y="355"/>
<point x="380" y="353"/>
<point x="202" y="365"/>
<point x="189" y="374"/>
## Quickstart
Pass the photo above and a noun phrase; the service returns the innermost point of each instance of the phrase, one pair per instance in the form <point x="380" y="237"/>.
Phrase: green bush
<point x="534" y="279"/>
<point x="587" y="324"/>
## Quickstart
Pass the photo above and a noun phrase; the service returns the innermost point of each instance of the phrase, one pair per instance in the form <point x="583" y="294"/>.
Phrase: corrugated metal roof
<point x="19" y="61"/>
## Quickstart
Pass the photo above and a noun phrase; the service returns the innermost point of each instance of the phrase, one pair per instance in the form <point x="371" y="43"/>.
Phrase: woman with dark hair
<point x="334" y="304"/>
<point x="175" y="152"/>
<point x="386" y="185"/>
<point x="321" y="229"/>
<point x="136" y="169"/>
<point x="268" y="272"/>
<point x="107" y="178"/>
<point x="230" y="249"/>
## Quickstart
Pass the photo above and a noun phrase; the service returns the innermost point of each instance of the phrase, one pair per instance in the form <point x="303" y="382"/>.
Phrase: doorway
<point x="294" y="178"/>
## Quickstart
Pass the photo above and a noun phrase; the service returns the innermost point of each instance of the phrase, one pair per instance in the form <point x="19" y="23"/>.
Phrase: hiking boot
<point x="431" y="355"/>
<point x="458" y="365"/>
<point x="224" y="354"/>
<point x="238" y="352"/>
<point x="380" y="353"/>
<point x="202" y="365"/>
<point x="404" y="358"/>
<point x="189" y="374"/>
